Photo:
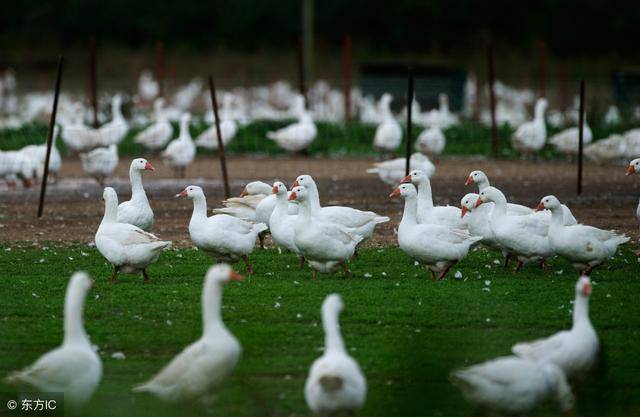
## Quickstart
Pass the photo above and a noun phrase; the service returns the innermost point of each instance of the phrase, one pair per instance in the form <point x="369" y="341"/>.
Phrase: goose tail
<point x="331" y="383"/>
<point x="381" y="219"/>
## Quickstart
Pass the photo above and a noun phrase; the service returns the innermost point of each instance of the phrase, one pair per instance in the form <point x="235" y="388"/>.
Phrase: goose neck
<point x="557" y="218"/>
<point x="73" y="324"/>
<point x="580" y="311"/>
<point x="332" y="338"/>
<point x="199" y="208"/>
<point x="137" y="190"/>
<point x="211" y="303"/>
<point x="410" y="211"/>
<point x="425" y="198"/>
<point x="110" y="211"/>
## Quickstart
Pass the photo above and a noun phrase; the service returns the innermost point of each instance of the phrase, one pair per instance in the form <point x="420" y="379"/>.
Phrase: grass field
<point x="406" y="331"/>
<point x="333" y="139"/>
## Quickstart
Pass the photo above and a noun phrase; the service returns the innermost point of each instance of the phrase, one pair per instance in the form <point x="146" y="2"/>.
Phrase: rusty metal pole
<point x="52" y="124"/>
<point x="160" y="70"/>
<point x="409" y="126"/>
<point x="347" y="78"/>
<point x="495" y="139"/>
<point x="301" y="73"/>
<point x="93" y="80"/>
<point x="223" y="161"/>
<point x="580" y="136"/>
<point x="542" y="70"/>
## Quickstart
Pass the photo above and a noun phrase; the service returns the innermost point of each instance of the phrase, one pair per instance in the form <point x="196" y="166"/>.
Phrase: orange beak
<point x="244" y="192"/>
<point x="293" y="196"/>
<point x="395" y="193"/>
<point x="182" y="193"/>
<point x="149" y="167"/>
<point x="469" y="180"/>
<point x="630" y="170"/>
<point x="406" y="180"/>
<point x="295" y="184"/>
<point x="478" y="202"/>
<point x="274" y="190"/>
<point x="463" y="211"/>
<point x="586" y="290"/>
<point x="234" y="276"/>
<point x="539" y="207"/>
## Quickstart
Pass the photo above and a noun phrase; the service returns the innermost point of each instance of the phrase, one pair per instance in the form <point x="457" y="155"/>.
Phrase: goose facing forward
<point x="73" y="368"/>
<point x="181" y="151"/>
<point x="532" y="136"/>
<point x="576" y="350"/>
<point x="127" y="247"/>
<point x="202" y="366"/>
<point x="335" y="383"/>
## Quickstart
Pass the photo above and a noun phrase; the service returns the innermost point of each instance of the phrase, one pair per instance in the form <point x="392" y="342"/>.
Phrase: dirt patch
<point x="74" y="205"/>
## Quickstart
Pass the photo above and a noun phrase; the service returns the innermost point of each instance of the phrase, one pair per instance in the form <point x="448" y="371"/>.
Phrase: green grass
<point x="406" y="331"/>
<point x="333" y="139"/>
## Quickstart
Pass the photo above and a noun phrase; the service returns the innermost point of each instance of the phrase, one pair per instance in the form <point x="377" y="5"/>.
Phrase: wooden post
<point x="223" y="161"/>
<point x="93" y="80"/>
<point x="52" y="125"/>
<point x="301" y="73"/>
<point x="347" y="78"/>
<point x="409" y="126"/>
<point x="542" y="73"/>
<point x="495" y="139"/>
<point x="160" y="67"/>
<point x="580" y="136"/>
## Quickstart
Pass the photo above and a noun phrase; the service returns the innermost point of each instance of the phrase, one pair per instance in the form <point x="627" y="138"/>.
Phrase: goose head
<point x="415" y="177"/>
<point x="279" y="188"/>
<point x="549" y="202"/>
<point x="476" y="177"/>
<point x="222" y="273"/>
<point x="192" y="191"/>
<point x="141" y="164"/>
<point x="489" y="194"/>
<point x="304" y="180"/>
<point x="583" y="287"/>
<point x="468" y="203"/>
<point x="255" y="188"/>
<point x="333" y="303"/>
<point x="80" y="282"/>
<point x="405" y="191"/>
<point x="109" y="196"/>
<point x="299" y="194"/>
<point x="110" y="205"/>
<point x="158" y="106"/>
<point x="385" y="100"/>
<point x="634" y="167"/>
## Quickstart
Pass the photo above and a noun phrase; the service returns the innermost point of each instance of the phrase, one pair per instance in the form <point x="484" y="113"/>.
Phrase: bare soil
<point x="74" y="206"/>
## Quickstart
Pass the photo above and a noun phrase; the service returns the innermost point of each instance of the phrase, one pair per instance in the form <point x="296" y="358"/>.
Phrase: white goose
<point x="482" y="181"/>
<point x="114" y="131"/>
<point x="297" y="136"/>
<point x="612" y="148"/>
<point x="38" y="154"/>
<point x="431" y="141"/>
<point x="427" y="213"/>
<point x="225" y="238"/>
<point x="324" y="244"/>
<point x="228" y="127"/>
<point x="100" y="162"/>
<point x="585" y="247"/>
<point x="532" y="136"/>
<point x="442" y="117"/>
<point x="576" y="350"/>
<point x="202" y="366"/>
<point x="512" y="385"/>
<point x="73" y="368"/>
<point x="157" y="135"/>
<point x="524" y="236"/>
<point x="633" y="168"/>
<point x="393" y="170"/>
<point x="14" y="165"/>
<point x="567" y="141"/>
<point x="180" y="152"/>
<point x="359" y="222"/>
<point x="127" y="247"/>
<point x="137" y="211"/>
<point x="244" y="207"/>
<point x="437" y="246"/>
<point x="282" y="222"/>
<point x="335" y="383"/>
<point x="388" y="134"/>
<point x="478" y="221"/>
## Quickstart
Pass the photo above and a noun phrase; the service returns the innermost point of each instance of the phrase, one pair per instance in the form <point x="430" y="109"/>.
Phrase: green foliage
<point x="406" y="331"/>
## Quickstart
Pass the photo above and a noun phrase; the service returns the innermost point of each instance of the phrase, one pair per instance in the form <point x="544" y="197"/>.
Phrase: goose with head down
<point x="437" y="246"/>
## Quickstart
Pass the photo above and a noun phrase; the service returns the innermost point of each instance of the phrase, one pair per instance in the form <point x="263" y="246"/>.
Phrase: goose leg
<point x="433" y="274"/>
<point x="587" y="271"/>
<point x="446" y="270"/>
<point x="114" y="274"/>
<point x="249" y="267"/>
<point x="261" y="238"/>
<point x="146" y="277"/>
<point x="355" y="254"/>
<point x="302" y="261"/>
<point x="314" y="274"/>
<point x="347" y="273"/>
<point x="518" y="266"/>
<point x="545" y="267"/>
<point x="507" y="258"/>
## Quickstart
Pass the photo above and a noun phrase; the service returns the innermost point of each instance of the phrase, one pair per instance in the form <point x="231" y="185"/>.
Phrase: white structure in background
<point x="297" y="136"/>
<point x="392" y="171"/>
<point x="531" y="136"/>
<point x="148" y="87"/>
<point x="100" y="163"/>
<point x="388" y="134"/>
<point x="228" y="126"/>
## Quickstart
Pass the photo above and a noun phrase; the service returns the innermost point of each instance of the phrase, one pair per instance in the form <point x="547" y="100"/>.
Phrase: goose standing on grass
<point x="137" y="211"/>
<point x="74" y="368"/>
<point x="335" y="383"/>
<point x="204" y="365"/>
<point x="388" y="134"/>
<point x="436" y="246"/>
<point x="299" y="135"/>
<point x="14" y="165"/>
<point x="228" y="127"/>
<point x="585" y="247"/>
<point x="100" y="162"/>
<point x="531" y="136"/>
<point x="512" y="385"/>
<point x="282" y="222"/>
<point x="427" y="213"/>
<point x="265" y="208"/>
<point x="156" y="136"/>
<point x="127" y="247"/>
<point x="568" y="140"/>
<point x="392" y="171"/>
<point x="524" y="236"/>
<point x="576" y="350"/>
<point x="431" y="141"/>
<point x="116" y="129"/>
<point x="180" y="152"/>
<point x="359" y="222"/>
<point x="324" y="244"/>
<point x="38" y="154"/>
<point x="225" y="238"/>
<point x="479" y="222"/>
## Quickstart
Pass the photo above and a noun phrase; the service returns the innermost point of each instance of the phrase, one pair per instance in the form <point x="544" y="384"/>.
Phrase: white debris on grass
<point x="458" y="275"/>
<point x="118" y="356"/>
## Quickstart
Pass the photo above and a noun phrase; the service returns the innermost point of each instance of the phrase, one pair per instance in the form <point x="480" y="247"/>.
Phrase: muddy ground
<point x="74" y="206"/>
